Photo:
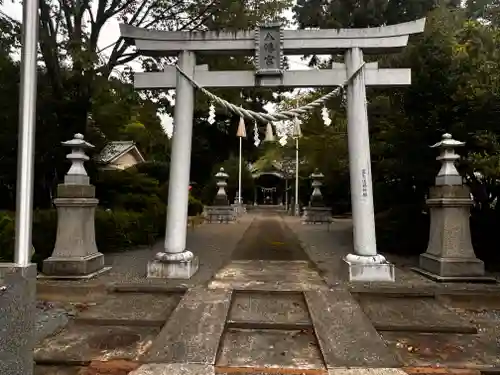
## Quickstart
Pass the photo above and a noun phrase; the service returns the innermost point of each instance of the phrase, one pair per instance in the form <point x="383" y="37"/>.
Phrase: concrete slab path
<point x="268" y="299"/>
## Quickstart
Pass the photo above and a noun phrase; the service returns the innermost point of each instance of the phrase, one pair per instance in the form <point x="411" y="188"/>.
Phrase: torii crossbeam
<point x="270" y="43"/>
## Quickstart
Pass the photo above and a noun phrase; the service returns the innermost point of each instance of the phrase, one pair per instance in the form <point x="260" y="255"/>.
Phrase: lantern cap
<point x="221" y="173"/>
<point x="77" y="175"/>
<point x="448" y="174"/>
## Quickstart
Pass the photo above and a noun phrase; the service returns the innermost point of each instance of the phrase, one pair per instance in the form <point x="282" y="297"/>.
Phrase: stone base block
<point x="451" y="267"/>
<point x="172" y="270"/>
<point x="455" y="279"/>
<point x="73" y="267"/>
<point x="220" y="214"/>
<point x="17" y="318"/>
<point x="369" y="272"/>
<point x="74" y="277"/>
<point x="317" y="215"/>
<point x="174" y="369"/>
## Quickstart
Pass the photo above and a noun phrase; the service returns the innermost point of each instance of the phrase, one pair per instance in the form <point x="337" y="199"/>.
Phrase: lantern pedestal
<point x="317" y="215"/>
<point x="316" y="212"/>
<point x="221" y="211"/>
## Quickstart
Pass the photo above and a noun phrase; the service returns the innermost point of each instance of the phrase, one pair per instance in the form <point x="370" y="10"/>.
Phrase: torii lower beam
<point x="290" y="79"/>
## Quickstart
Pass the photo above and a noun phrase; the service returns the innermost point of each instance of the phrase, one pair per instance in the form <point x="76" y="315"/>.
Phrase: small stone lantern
<point x="317" y="181"/>
<point x="75" y="254"/>
<point x="221" y="197"/>
<point x="316" y="212"/>
<point x="221" y="211"/>
<point x="450" y="255"/>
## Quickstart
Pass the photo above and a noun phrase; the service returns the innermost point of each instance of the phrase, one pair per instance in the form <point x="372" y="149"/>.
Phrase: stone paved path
<point x="269" y="299"/>
<point x="268" y="238"/>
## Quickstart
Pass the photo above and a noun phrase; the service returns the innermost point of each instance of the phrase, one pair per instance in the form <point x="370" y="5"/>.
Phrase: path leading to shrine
<point x="268" y="299"/>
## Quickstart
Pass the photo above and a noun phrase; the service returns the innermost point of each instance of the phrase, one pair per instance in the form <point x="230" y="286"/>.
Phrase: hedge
<point x="115" y="230"/>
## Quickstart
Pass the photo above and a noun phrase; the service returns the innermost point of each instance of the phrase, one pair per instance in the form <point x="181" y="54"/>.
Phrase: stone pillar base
<point x="219" y="214"/>
<point x="74" y="267"/>
<point x="317" y="215"/>
<point x="452" y="269"/>
<point x="367" y="272"/>
<point x="172" y="270"/>
<point x="17" y="318"/>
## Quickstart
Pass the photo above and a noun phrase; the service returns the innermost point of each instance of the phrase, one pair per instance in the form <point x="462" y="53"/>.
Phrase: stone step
<point x="132" y="309"/>
<point x="80" y="344"/>
<point x="264" y="348"/>
<point x="345" y="335"/>
<point x="479" y="352"/>
<point x="268" y="275"/>
<point x="413" y="314"/>
<point x="268" y="309"/>
<point x="193" y="332"/>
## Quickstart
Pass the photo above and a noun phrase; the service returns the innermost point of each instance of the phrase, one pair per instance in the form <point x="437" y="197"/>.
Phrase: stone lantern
<point x="316" y="212"/>
<point x="221" y="196"/>
<point x="317" y="181"/>
<point x="75" y="253"/>
<point x="221" y="211"/>
<point x="450" y="255"/>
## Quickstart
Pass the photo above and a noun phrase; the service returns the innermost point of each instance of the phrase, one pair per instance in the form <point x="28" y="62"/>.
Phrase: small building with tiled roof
<point x="119" y="155"/>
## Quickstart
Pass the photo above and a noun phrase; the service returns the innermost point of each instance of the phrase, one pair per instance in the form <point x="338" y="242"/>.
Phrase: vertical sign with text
<point x="269" y="49"/>
<point x="364" y="183"/>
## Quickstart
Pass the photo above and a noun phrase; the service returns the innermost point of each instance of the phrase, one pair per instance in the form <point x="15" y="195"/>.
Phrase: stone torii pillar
<point x="176" y="261"/>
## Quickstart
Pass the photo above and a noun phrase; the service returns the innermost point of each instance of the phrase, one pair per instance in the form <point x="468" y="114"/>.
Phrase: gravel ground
<point x="212" y="243"/>
<point x="326" y="247"/>
<point x="50" y="318"/>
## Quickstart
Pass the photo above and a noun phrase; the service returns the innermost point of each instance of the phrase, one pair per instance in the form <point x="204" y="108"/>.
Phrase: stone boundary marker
<point x="195" y="369"/>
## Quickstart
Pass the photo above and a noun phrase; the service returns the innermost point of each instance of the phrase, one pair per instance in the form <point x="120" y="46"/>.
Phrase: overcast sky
<point x="110" y="33"/>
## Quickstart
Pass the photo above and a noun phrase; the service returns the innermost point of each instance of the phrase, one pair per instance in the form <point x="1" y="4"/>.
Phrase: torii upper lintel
<point x="382" y="39"/>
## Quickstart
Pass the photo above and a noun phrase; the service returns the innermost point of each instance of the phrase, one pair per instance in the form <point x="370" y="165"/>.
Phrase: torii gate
<point x="270" y="43"/>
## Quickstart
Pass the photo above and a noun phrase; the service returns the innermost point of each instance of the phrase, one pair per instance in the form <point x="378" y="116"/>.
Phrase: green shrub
<point x="127" y="190"/>
<point x="195" y="206"/>
<point x="44" y="233"/>
<point x="156" y="170"/>
<point x="402" y="230"/>
<point x="115" y="230"/>
<point x="7" y="232"/>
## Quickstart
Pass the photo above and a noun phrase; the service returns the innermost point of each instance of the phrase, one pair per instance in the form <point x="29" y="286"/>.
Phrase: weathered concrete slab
<point x="474" y="301"/>
<point x="58" y="370"/>
<point x="443" y="371"/>
<point x="366" y="371"/>
<point x="269" y="308"/>
<point x="268" y="275"/>
<point x="174" y="369"/>
<point x="49" y="319"/>
<point x="132" y="309"/>
<point x="412" y="314"/>
<point x="268" y="371"/>
<point x="193" y="332"/>
<point x="447" y="350"/>
<point x="270" y="348"/>
<point x="79" y="344"/>
<point x="17" y="318"/>
<point x="346" y="336"/>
